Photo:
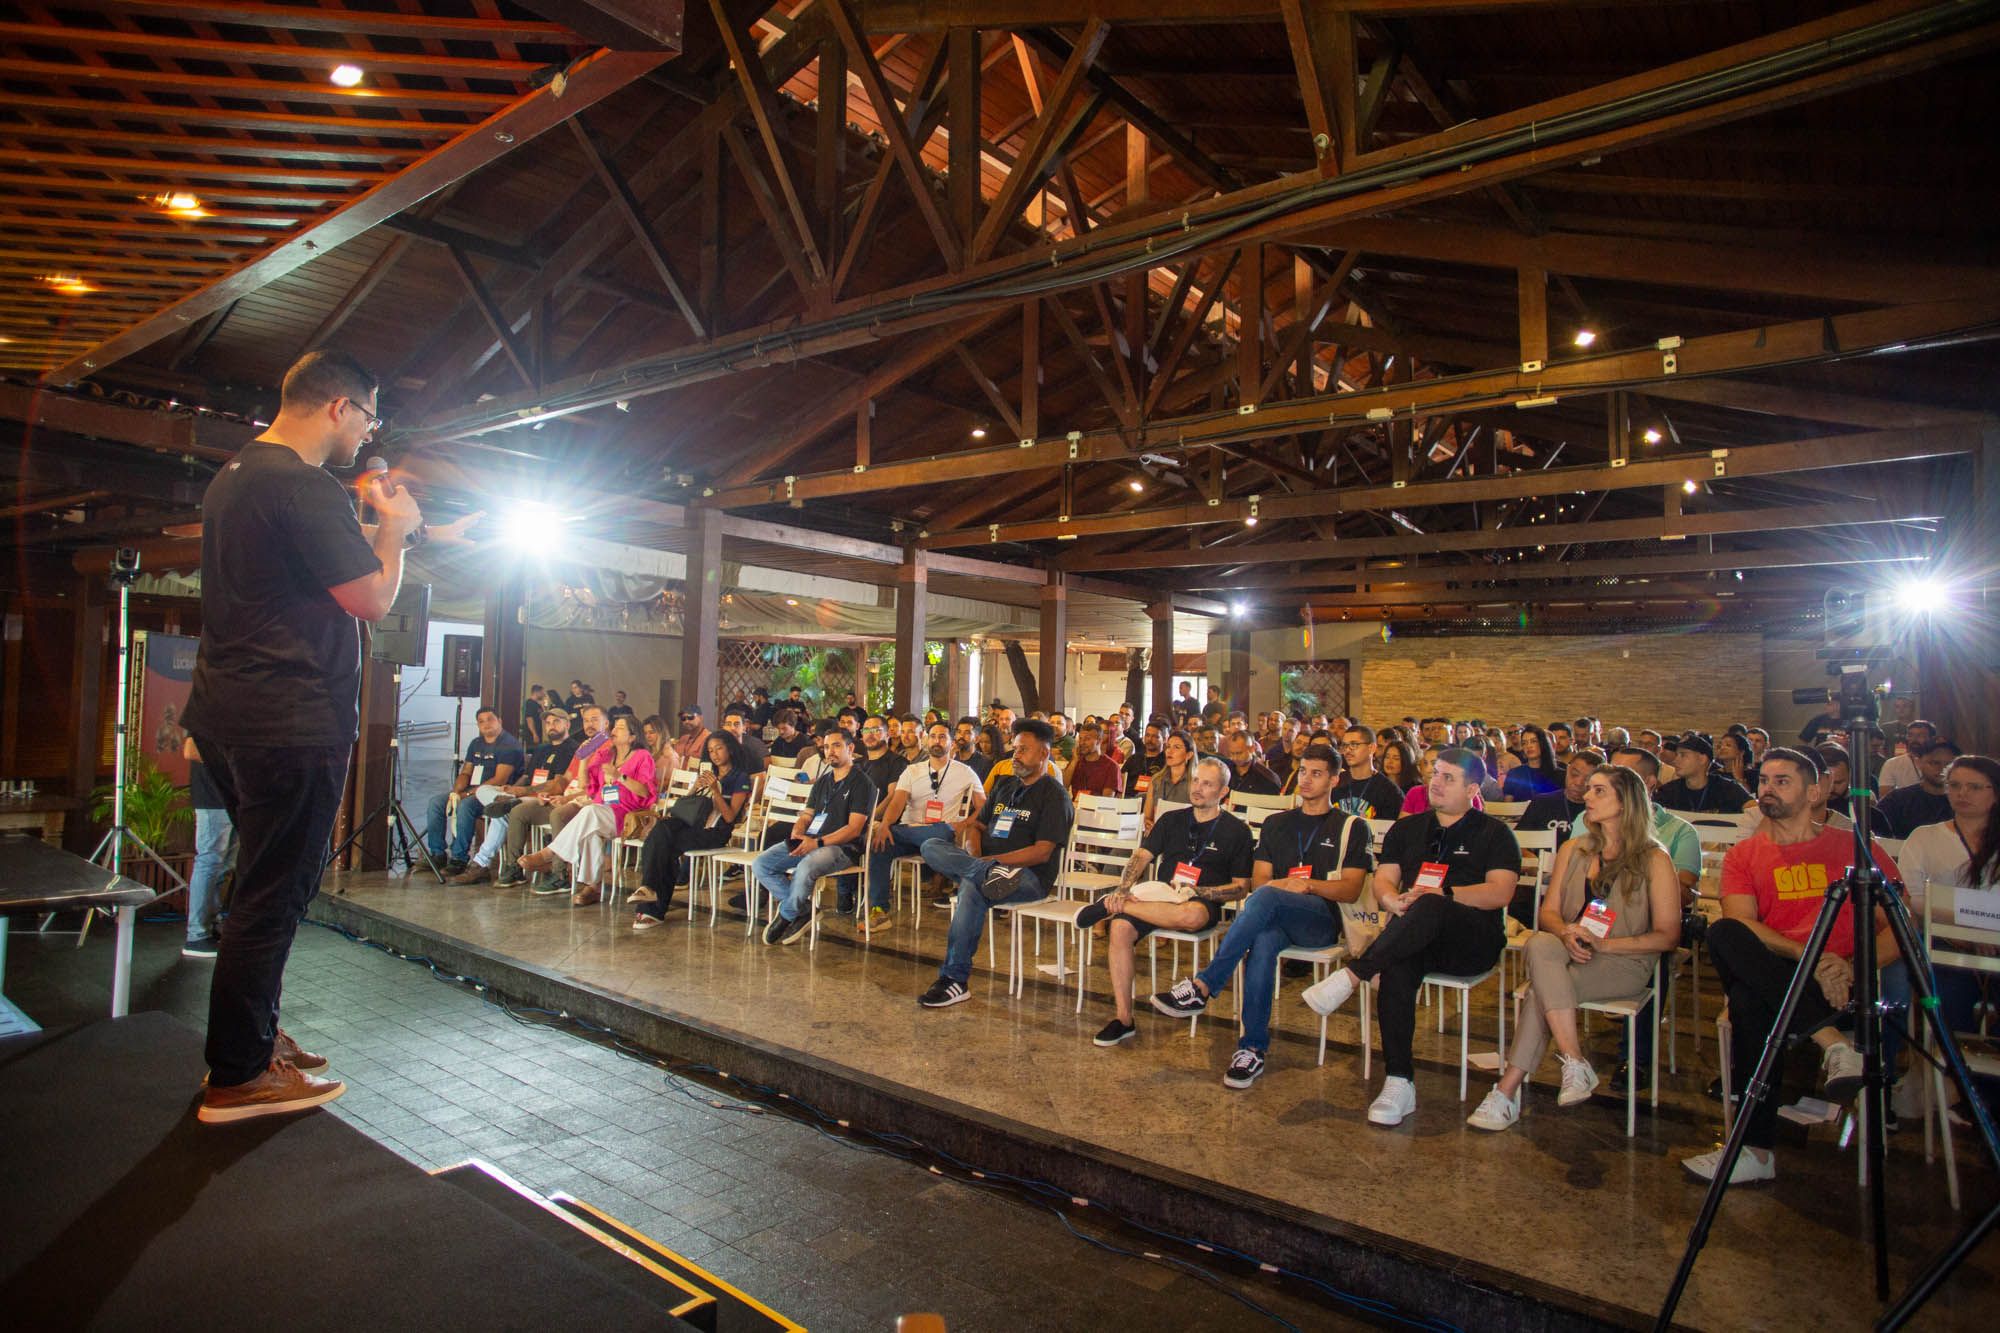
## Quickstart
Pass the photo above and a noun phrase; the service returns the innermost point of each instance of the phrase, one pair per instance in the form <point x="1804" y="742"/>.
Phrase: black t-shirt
<point x="202" y="791"/>
<point x="1555" y="810"/>
<point x="756" y="755"/>
<point x="883" y="772"/>
<point x="531" y="717"/>
<point x="1293" y="837"/>
<point x="1141" y="765"/>
<point x="980" y="764"/>
<point x="617" y="711"/>
<point x="551" y="761"/>
<point x="1219" y="849"/>
<point x="839" y="799"/>
<point x="1469" y="850"/>
<point x="280" y="661"/>
<point x="486" y="757"/>
<point x="1041" y="813"/>
<point x="1907" y="809"/>
<point x="1719" y="796"/>
<point x="790" y="749"/>
<point x="1257" y="780"/>
<point x="1377" y="798"/>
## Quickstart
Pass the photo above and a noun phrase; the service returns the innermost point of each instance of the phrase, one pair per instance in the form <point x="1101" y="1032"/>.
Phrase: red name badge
<point x="1431" y="875"/>
<point x="1187" y="873"/>
<point x="934" y="812"/>
<point x="1144" y="785"/>
<point x="1598" y="918"/>
<point x="541" y="776"/>
<point x="1299" y="872"/>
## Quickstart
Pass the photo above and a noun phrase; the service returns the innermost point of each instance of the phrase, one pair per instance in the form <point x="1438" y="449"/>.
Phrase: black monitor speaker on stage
<point x="401" y="636"/>
<point x="461" y="666"/>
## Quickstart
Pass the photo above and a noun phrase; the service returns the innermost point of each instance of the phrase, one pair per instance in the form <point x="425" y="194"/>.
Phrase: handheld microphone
<point x="377" y="471"/>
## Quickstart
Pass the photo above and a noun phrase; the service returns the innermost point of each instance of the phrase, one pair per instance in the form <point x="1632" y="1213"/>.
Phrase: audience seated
<point x="1145" y="760"/>
<point x="1536" y="774"/>
<point x="923" y="804"/>
<point x="1093" y="772"/>
<point x="1460" y="867"/>
<point x="544" y="761"/>
<point x="1398" y="761"/>
<point x="1418" y="798"/>
<point x="790" y="742"/>
<point x="1901" y="769"/>
<point x="1173" y="779"/>
<point x="1698" y="789"/>
<point x="1773" y="885"/>
<point x="1308" y="861"/>
<point x="492" y="757"/>
<point x="827" y="837"/>
<point x="723" y="785"/>
<point x="739" y="722"/>
<point x="1613" y="907"/>
<point x="1202" y="855"/>
<point x="618" y="782"/>
<point x="1253" y="776"/>
<point x="1560" y="809"/>
<point x="1011" y="854"/>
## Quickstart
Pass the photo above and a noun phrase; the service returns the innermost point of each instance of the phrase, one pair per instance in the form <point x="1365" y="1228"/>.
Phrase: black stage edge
<point x="1416" y="1278"/>
<point x="119" y="1211"/>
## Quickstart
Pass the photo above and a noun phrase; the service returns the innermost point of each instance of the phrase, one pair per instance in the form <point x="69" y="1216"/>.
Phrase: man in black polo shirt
<point x="1253" y="776"/>
<point x="828" y="836"/>
<point x="287" y="574"/>
<point x="1697" y="790"/>
<point x="884" y="765"/>
<point x="1309" y="861"/>
<point x="492" y="757"/>
<point x="1445" y="879"/>
<point x="1203" y="850"/>
<point x="1361" y="790"/>
<point x="1012" y="847"/>
<point x="756" y="755"/>
<point x="1145" y="760"/>
<point x="1559" y="809"/>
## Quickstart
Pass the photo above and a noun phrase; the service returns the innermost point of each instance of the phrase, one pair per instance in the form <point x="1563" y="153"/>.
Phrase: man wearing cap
<point x="1698" y="791"/>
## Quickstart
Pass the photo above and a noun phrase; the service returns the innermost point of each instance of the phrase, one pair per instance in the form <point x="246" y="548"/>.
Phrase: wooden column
<point x="962" y="168"/>
<point x="701" y="614"/>
<point x="912" y="595"/>
<point x="89" y="647"/>
<point x="1534" y="315"/>
<point x="503" y="663"/>
<point x="1162" y="614"/>
<point x="957" y="698"/>
<point x="1055" y="641"/>
<point x="368" y="776"/>
<point x="1236" y="688"/>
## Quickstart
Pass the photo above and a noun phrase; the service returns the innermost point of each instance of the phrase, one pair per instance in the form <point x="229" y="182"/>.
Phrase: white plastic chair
<point x="1951" y="945"/>
<point x="1629" y="1009"/>
<point x="706" y="865"/>
<point x="1508" y="811"/>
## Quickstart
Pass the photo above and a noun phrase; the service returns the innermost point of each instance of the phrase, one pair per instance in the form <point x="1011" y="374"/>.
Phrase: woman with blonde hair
<point x="1613" y="908"/>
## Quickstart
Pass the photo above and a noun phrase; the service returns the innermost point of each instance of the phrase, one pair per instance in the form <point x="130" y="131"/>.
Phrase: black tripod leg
<point x="408" y="827"/>
<point x="1924" y="998"/>
<point x="1757" y="1090"/>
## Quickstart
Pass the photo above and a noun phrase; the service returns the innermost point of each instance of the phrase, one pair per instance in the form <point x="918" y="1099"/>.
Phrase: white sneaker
<point x="1752" y="1165"/>
<point x="1328" y="995"/>
<point x="1578" y="1082"/>
<point x="1396" y="1103"/>
<point x="1497" y="1112"/>
<point x="1841" y="1068"/>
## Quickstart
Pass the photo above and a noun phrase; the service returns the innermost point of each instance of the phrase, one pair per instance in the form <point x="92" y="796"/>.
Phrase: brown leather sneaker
<point x="284" y="1048"/>
<point x="279" y="1090"/>
<point x="472" y="874"/>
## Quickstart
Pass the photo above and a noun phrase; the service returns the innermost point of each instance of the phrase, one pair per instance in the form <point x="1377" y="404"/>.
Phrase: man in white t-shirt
<point x="1901" y="770"/>
<point x="928" y="801"/>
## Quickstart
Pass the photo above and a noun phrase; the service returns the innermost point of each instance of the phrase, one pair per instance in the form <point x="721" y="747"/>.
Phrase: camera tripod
<point x="1868" y="890"/>
<point x="405" y="844"/>
<point x="110" y="851"/>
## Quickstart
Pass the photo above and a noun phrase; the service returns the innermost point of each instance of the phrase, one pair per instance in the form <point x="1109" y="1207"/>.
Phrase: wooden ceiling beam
<point x="256" y="53"/>
<point x="44" y="503"/>
<point x="196" y="170"/>
<point x="290" y="150"/>
<point x="937" y="15"/>
<point x="161" y="432"/>
<point x="889" y="117"/>
<point x="627" y="204"/>
<point x="1043" y="139"/>
<point x="272" y="122"/>
<point x="274" y="90"/>
<point x="356" y="22"/>
<point x="759" y="97"/>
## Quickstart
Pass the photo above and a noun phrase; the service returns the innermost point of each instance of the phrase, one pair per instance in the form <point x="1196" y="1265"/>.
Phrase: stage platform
<point x="119" y="1211"/>
<point x="1562" y="1222"/>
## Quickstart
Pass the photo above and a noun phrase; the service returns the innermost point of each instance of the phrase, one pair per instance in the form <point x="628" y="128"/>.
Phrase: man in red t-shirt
<point x="1774" y="884"/>
<point x="1092" y="773"/>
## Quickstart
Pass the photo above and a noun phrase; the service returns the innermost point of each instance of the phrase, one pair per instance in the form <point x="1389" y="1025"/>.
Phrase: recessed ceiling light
<point x="67" y="283"/>
<point x="979" y="432"/>
<point x="1136" y="485"/>
<point x="1585" y="337"/>
<point x="1688" y="486"/>
<point x="345" y="76"/>
<point x="1651" y="436"/>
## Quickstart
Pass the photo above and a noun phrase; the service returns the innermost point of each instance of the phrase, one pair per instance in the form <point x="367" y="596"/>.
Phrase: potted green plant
<point x="155" y="811"/>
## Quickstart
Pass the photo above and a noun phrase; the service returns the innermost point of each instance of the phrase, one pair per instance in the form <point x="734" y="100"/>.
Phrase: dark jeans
<point x="1435" y="934"/>
<point x="283" y="801"/>
<point x="661" y="865"/>
<point x="1754" y="977"/>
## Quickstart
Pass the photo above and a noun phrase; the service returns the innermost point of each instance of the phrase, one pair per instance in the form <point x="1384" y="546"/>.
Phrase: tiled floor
<point x="1564" y="1198"/>
<point x="838" y="1237"/>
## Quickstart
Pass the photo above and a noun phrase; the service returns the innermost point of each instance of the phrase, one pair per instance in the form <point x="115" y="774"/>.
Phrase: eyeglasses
<point x="374" y="422"/>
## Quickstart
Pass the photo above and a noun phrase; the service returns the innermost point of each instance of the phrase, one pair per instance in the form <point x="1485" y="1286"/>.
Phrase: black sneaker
<point x="943" y="994"/>
<point x="1000" y="880"/>
<point x="945" y="900"/>
<point x="775" y="928"/>
<point x="454" y="867"/>
<point x="202" y="946"/>
<point x="1181" y="1001"/>
<point x="1244" y="1068"/>
<point x="1115" y="1032"/>
<point x="739" y="903"/>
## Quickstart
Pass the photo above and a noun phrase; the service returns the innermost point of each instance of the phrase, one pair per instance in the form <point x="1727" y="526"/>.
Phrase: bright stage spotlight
<point x="1923" y="596"/>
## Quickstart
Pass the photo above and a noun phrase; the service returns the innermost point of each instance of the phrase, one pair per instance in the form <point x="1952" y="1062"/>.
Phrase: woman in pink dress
<point x="620" y="782"/>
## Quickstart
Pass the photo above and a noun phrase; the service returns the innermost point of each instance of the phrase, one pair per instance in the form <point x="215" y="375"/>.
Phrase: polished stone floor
<point x="1564" y="1198"/>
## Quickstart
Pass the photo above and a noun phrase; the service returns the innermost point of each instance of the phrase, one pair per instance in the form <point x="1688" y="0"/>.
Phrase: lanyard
<point x="1306" y="842"/>
<point x="1196" y="853"/>
<point x="936" y="777"/>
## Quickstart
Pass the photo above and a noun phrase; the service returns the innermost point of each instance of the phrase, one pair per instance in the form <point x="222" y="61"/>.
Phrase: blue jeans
<point x="1958" y="1002"/>
<point x="214" y="854"/>
<point x="968" y="916"/>
<point x="902" y="838"/>
<point x="468" y="814"/>
<point x="789" y="877"/>
<point x="1271" y="919"/>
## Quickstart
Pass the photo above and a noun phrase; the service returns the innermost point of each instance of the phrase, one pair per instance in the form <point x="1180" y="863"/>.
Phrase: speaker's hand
<point x="456" y="532"/>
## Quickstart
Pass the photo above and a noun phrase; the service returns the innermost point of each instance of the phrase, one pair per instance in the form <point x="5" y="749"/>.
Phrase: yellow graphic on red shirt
<point x="1800" y="881"/>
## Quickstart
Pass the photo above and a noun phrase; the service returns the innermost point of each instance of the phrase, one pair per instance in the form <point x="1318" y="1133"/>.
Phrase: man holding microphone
<point x="287" y="574"/>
